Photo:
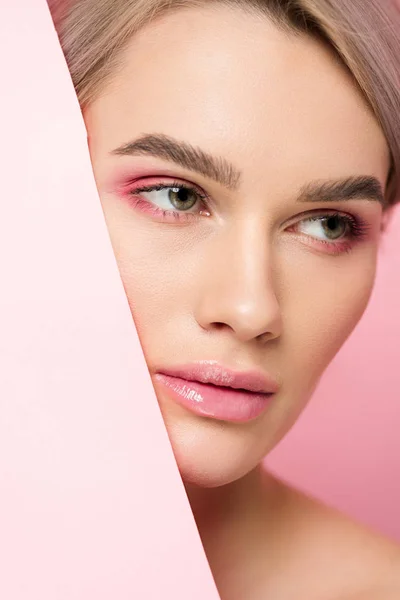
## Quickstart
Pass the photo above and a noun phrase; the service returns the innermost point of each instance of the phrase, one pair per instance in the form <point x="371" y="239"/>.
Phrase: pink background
<point x="345" y="449"/>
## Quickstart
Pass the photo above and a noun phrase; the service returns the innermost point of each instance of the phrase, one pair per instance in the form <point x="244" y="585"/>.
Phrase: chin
<point x="211" y="453"/>
<point x="205" y="476"/>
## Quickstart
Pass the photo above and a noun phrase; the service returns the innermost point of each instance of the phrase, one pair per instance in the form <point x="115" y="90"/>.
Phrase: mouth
<point x="209" y="390"/>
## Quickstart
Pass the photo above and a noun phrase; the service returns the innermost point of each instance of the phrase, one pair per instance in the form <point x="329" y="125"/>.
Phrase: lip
<point x="209" y="389"/>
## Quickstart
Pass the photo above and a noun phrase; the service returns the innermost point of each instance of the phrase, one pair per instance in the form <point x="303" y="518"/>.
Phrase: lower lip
<point x="216" y="402"/>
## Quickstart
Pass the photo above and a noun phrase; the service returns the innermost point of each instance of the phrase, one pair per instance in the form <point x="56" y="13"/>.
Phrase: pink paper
<point x="92" y="504"/>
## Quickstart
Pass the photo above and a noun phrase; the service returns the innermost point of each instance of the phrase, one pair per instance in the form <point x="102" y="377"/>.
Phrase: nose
<point x="235" y="289"/>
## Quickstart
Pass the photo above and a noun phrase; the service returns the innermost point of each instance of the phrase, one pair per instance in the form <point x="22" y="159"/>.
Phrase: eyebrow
<point x="185" y="155"/>
<point x="361" y="187"/>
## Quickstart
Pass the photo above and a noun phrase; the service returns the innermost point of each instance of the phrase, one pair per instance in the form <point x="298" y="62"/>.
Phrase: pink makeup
<point x="208" y="389"/>
<point x="132" y="188"/>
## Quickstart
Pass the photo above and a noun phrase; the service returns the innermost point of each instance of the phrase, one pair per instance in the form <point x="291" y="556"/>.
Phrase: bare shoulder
<point x="339" y="559"/>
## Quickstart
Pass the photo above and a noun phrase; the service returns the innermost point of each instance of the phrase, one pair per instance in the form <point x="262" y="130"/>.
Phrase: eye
<point x="176" y="197"/>
<point x="334" y="232"/>
<point x="332" y="226"/>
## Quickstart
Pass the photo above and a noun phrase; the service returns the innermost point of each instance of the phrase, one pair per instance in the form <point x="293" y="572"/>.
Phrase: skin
<point x="251" y="285"/>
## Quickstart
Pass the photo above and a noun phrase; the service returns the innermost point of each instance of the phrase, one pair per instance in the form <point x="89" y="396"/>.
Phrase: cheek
<point x="157" y="269"/>
<point x="324" y="311"/>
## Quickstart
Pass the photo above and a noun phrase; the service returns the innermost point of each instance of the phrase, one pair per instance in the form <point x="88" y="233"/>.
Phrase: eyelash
<point x="175" y="214"/>
<point x="358" y="228"/>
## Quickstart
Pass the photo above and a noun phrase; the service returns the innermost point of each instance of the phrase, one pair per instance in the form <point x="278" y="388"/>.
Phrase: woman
<point x="246" y="154"/>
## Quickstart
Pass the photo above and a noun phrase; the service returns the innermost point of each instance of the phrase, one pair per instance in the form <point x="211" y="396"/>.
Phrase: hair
<point x="364" y="35"/>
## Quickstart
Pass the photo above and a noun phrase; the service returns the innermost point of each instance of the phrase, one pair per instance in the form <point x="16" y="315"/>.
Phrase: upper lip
<point x="213" y="373"/>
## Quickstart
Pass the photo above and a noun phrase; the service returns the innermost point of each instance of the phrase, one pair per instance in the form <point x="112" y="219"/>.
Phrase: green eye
<point x="182" y="198"/>
<point x="335" y="227"/>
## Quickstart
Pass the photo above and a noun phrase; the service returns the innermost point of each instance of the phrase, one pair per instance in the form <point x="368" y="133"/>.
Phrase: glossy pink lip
<point x="208" y="389"/>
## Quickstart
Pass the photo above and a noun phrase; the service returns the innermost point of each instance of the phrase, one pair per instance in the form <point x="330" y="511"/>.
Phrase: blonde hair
<point x="364" y="34"/>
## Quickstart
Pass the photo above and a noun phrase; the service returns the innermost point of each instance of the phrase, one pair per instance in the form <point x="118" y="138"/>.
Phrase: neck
<point x="219" y="504"/>
<point x="234" y="522"/>
<point x="232" y="513"/>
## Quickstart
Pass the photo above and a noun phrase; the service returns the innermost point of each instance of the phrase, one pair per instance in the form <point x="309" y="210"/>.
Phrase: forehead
<point x="234" y="84"/>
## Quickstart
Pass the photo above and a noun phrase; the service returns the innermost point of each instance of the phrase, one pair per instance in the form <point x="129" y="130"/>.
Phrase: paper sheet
<point x="92" y="506"/>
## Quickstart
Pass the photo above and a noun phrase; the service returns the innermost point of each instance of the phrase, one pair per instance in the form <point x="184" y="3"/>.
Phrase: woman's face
<point x="238" y="262"/>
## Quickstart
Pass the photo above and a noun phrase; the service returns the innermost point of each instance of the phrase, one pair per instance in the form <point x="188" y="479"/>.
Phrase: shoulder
<point x="337" y="557"/>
